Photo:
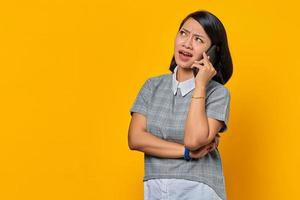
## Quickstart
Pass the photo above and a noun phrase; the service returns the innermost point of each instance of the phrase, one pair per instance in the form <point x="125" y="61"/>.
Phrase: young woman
<point x="177" y="117"/>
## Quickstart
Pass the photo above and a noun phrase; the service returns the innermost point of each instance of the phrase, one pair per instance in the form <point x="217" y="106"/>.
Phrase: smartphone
<point x="212" y="53"/>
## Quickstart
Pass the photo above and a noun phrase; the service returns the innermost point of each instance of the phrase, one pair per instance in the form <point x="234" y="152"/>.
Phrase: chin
<point x="184" y="65"/>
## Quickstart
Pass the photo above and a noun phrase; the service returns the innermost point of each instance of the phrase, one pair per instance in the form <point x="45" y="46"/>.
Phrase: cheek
<point x="176" y="47"/>
<point x="176" y="43"/>
<point x="179" y="40"/>
<point x="199" y="51"/>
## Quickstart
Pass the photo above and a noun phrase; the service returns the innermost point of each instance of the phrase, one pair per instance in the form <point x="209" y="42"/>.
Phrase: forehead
<point x="194" y="27"/>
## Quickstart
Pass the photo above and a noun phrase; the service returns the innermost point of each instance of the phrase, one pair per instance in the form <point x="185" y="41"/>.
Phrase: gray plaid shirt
<point x="165" y="102"/>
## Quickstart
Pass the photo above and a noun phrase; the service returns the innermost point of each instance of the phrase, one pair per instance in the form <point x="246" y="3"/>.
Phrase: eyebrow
<point x="194" y="34"/>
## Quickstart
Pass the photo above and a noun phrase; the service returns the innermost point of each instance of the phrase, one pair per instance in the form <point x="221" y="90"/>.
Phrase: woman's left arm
<point x="199" y="129"/>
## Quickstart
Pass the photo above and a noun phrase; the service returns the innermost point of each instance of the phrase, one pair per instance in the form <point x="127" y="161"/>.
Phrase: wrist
<point x="200" y="84"/>
<point x="186" y="154"/>
<point x="199" y="91"/>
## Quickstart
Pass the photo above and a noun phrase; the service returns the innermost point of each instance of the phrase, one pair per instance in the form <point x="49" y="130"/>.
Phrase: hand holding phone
<point x="212" y="53"/>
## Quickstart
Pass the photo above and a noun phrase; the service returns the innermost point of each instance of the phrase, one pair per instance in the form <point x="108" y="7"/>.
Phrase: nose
<point x="188" y="43"/>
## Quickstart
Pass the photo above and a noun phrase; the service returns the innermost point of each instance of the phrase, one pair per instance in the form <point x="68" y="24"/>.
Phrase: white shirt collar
<point x="185" y="86"/>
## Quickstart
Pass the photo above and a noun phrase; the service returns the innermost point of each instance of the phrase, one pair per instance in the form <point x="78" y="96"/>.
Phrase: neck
<point x="184" y="74"/>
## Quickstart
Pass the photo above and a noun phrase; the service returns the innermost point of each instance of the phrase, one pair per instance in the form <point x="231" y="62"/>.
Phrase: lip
<point x="184" y="58"/>
<point x="184" y="51"/>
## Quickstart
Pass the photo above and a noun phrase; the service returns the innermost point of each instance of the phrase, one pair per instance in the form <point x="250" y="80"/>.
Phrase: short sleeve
<point x="141" y="102"/>
<point x="218" y="106"/>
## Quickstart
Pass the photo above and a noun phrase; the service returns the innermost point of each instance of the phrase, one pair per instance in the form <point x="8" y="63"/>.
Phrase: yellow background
<point x="70" y="71"/>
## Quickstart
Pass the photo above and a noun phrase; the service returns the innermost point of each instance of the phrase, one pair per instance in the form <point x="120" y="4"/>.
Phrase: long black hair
<point x="217" y="34"/>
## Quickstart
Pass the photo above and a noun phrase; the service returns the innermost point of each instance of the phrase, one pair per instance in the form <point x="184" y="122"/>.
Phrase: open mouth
<point x="185" y="56"/>
<point x="185" y="53"/>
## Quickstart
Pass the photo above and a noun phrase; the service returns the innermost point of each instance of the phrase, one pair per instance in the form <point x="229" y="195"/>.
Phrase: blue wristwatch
<point x="186" y="154"/>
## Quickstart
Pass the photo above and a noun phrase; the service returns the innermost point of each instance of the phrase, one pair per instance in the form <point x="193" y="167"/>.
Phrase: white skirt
<point x="178" y="189"/>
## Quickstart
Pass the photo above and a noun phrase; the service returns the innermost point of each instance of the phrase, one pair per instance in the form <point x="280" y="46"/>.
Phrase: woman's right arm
<point x="141" y="140"/>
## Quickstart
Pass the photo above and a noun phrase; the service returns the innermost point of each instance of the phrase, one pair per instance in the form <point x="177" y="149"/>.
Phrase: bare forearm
<point x="196" y="127"/>
<point x="152" y="145"/>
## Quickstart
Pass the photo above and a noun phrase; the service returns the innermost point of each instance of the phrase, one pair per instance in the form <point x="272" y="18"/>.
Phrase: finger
<point x="196" y="61"/>
<point x="216" y="145"/>
<point x="205" y="59"/>
<point x="202" y="152"/>
<point x="207" y="64"/>
<point x="211" y="146"/>
<point x="196" y="65"/>
<point x="198" y="150"/>
<point x="206" y="152"/>
<point x="210" y="149"/>
<point x="201" y="62"/>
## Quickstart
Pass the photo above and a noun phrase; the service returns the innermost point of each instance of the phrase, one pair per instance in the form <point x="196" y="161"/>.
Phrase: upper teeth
<point x="186" y="53"/>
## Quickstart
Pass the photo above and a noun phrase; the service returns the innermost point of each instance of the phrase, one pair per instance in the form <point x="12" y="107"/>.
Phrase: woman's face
<point x="191" y="41"/>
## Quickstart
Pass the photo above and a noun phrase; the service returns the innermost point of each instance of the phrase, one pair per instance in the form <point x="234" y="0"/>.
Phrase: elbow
<point x="132" y="143"/>
<point x="131" y="146"/>
<point x="195" y="143"/>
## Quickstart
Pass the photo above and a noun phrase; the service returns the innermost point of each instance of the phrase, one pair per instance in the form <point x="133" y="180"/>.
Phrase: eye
<point x="198" y="40"/>
<point x="182" y="33"/>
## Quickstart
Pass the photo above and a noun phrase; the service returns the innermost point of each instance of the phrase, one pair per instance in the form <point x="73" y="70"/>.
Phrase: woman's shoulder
<point x="159" y="79"/>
